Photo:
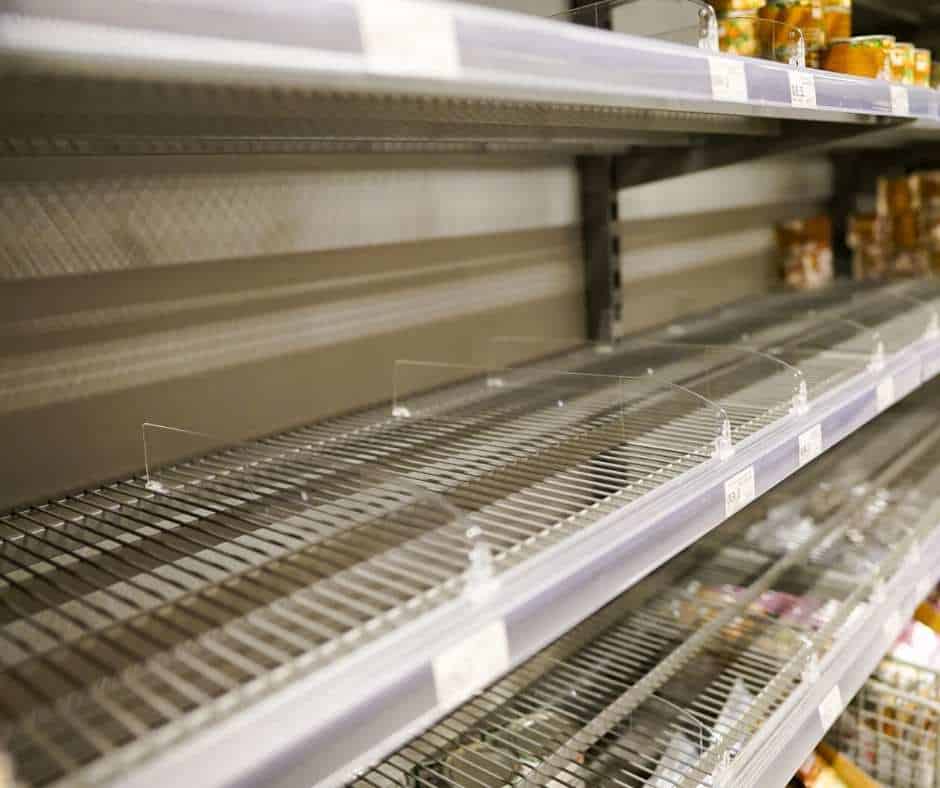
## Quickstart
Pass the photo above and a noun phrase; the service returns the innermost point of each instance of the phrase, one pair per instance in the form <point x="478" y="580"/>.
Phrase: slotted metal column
<point x="598" y="214"/>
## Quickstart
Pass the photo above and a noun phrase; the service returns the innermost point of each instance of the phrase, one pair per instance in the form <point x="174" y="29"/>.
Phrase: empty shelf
<point x="183" y="622"/>
<point x="727" y="666"/>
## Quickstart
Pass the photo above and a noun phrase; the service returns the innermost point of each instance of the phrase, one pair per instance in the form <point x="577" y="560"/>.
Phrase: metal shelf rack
<point x="727" y="666"/>
<point x="351" y="574"/>
<point x="360" y="74"/>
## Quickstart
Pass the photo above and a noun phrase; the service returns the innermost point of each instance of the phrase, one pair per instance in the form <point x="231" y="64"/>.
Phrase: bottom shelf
<point x="727" y="665"/>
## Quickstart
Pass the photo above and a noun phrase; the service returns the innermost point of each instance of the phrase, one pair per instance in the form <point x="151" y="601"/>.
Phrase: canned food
<point x="896" y="196"/>
<point x="864" y="56"/>
<point x="928" y="186"/>
<point x="922" y="66"/>
<point x="805" y="15"/>
<point x="737" y="33"/>
<point x="901" y="62"/>
<point x="837" y="21"/>
<point x="727" y="6"/>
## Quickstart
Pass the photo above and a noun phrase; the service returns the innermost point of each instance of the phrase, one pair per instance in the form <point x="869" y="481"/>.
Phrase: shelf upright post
<point x="598" y="197"/>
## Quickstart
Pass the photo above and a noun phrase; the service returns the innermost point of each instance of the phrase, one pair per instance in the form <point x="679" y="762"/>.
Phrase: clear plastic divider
<point x="279" y="497"/>
<point x="752" y="387"/>
<point x="780" y="42"/>
<point x="636" y="419"/>
<point x="829" y="351"/>
<point x="695" y="24"/>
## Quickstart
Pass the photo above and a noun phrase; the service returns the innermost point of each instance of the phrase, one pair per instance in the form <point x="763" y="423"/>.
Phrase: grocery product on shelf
<point x="837" y="19"/>
<point x="816" y="772"/>
<point x="922" y="67"/>
<point x="890" y="727"/>
<point x="806" y="250"/>
<point x="902" y="239"/>
<point x="780" y="16"/>
<point x="901" y="58"/>
<point x="737" y="33"/>
<point x="863" y="56"/>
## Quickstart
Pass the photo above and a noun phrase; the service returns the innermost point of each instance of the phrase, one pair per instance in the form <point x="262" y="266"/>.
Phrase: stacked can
<point x="863" y="56"/>
<point x="737" y="26"/>
<point x="922" y="67"/>
<point x="901" y="59"/>
<point x="902" y="239"/>
<point x="837" y="19"/>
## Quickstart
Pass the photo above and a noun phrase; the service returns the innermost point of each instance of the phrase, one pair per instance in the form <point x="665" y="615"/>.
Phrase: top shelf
<point x="360" y="73"/>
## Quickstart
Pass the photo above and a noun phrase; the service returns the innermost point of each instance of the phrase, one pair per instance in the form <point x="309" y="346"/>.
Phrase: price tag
<point x="810" y="443"/>
<point x="884" y="394"/>
<point x="802" y="89"/>
<point x="471" y="664"/>
<point x="831" y="707"/>
<point x="900" y="105"/>
<point x="739" y="491"/>
<point x="408" y="37"/>
<point x="892" y="625"/>
<point x="729" y="82"/>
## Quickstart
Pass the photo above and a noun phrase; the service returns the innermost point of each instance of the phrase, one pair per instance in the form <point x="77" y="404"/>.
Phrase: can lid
<point x="884" y="40"/>
<point x="736" y="15"/>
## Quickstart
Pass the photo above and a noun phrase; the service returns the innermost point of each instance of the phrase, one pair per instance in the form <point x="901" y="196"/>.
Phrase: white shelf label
<point x="892" y="625"/>
<point x="739" y="491"/>
<point x="900" y="105"/>
<point x="408" y="37"/>
<point x="802" y="89"/>
<point x="471" y="664"/>
<point x="831" y="707"/>
<point x="810" y="444"/>
<point x="884" y="394"/>
<point x="729" y="82"/>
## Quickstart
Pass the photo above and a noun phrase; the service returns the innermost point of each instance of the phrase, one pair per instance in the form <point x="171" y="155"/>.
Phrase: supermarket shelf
<point x="774" y="755"/>
<point x="358" y="73"/>
<point x="381" y="682"/>
<point x="714" y="670"/>
<point x="923" y="131"/>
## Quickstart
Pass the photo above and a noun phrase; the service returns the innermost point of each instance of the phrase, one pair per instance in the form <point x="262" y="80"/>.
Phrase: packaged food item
<point x="917" y="644"/>
<point x="901" y="62"/>
<point x="863" y="56"/>
<point x="728" y="6"/>
<point x="837" y="19"/>
<point x="928" y="614"/>
<point x="928" y="188"/>
<point x="935" y="74"/>
<point x="922" y="67"/>
<point x="737" y="33"/>
<point x="849" y="772"/>
<point x="897" y="195"/>
<point x="806" y="251"/>
<point x="815" y="772"/>
<point x="779" y="17"/>
<point x="795" y="13"/>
